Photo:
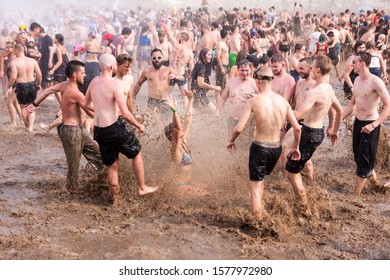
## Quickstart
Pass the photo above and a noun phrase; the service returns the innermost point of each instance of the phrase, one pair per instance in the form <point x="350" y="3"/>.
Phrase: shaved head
<point x="106" y="61"/>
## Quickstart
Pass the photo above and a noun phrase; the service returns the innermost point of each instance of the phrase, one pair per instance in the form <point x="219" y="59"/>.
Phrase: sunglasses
<point x="156" y="57"/>
<point x="260" y="77"/>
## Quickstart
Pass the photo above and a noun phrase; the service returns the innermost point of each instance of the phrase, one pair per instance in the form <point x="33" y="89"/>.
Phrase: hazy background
<point x="49" y="11"/>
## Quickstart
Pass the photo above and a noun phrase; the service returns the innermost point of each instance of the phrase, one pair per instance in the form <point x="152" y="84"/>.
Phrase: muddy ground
<point x="40" y="219"/>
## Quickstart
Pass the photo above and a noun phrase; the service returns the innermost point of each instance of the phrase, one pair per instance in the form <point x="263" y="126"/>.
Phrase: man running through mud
<point x="110" y="131"/>
<point x="270" y="111"/>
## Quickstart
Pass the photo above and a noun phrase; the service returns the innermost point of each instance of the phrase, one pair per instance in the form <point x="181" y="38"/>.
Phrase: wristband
<point x="373" y="125"/>
<point x="174" y="110"/>
<point x="35" y="104"/>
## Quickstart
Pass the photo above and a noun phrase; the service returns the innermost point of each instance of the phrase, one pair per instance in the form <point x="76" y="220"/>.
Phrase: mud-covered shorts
<point x="311" y="138"/>
<point x="115" y="139"/>
<point x="365" y="147"/>
<point x="262" y="160"/>
<point x="26" y="92"/>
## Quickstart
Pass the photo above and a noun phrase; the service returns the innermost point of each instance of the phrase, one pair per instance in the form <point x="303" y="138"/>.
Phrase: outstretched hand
<point x="334" y="138"/>
<point x="171" y="102"/>
<point x="188" y="93"/>
<point x="231" y="147"/>
<point x="28" y="110"/>
<point x="294" y="154"/>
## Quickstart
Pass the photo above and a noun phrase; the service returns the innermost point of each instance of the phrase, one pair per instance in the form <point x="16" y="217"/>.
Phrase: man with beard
<point x="158" y="77"/>
<point x="237" y="92"/>
<point x="304" y="85"/>
<point x="283" y="83"/>
<point x="110" y="131"/>
<point x="315" y="107"/>
<point x="75" y="139"/>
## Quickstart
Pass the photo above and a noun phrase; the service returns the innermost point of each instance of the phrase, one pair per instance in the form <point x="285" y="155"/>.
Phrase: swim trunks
<point x="232" y="59"/>
<point x="262" y="160"/>
<point x="220" y="79"/>
<point x="311" y="138"/>
<point x="115" y="139"/>
<point x="26" y="92"/>
<point x="365" y="147"/>
<point x="159" y="105"/>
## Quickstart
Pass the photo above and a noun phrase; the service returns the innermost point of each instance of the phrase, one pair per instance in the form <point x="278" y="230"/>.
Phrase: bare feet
<point x="45" y="127"/>
<point x="146" y="189"/>
<point x="305" y="211"/>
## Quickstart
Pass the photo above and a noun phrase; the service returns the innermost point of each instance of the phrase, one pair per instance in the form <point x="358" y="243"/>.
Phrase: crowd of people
<point x="268" y="68"/>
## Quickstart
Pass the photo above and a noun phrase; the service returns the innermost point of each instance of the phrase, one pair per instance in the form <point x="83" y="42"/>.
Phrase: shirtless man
<point x="181" y="57"/>
<point x="304" y="85"/>
<point x="270" y="111"/>
<point x="314" y="109"/>
<point x="110" y="131"/>
<point x="9" y="96"/>
<point x="184" y="26"/>
<point x="158" y="77"/>
<point x="125" y="81"/>
<point x="283" y="83"/>
<point x="235" y="45"/>
<point x="26" y="77"/>
<point x="369" y="36"/>
<point x="222" y="56"/>
<point x="75" y="139"/>
<point x="369" y="90"/>
<point x="237" y="92"/>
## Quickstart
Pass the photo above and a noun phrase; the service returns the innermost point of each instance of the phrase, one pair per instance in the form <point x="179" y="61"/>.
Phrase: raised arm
<point x="175" y="139"/>
<point x="188" y="113"/>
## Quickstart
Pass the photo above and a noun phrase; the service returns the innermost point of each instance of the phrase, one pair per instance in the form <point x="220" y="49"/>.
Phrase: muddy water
<point x="208" y="219"/>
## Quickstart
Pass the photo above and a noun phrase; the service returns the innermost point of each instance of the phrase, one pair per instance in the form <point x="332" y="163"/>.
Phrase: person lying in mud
<point x="176" y="134"/>
<point x="270" y="111"/>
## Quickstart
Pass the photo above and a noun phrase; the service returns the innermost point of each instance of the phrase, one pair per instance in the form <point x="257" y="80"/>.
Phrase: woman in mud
<point x="200" y="84"/>
<point x="176" y="134"/>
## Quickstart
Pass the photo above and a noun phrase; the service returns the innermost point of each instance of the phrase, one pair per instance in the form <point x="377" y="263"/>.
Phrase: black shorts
<point x="115" y="139"/>
<point x="262" y="160"/>
<point x="26" y="92"/>
<point x="284" y="47"/>
<point x="311" y="138"/>
<point x="365" y="147"/>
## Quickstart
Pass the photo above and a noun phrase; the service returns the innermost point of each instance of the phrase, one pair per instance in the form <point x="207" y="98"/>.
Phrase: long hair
<point x="202" y="55"/>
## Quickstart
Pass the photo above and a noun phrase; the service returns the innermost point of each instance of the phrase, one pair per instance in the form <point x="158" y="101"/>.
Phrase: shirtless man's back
<point x="26" y="77"/>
